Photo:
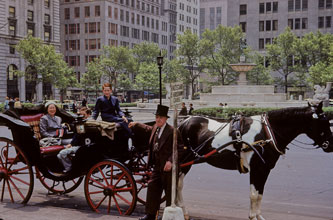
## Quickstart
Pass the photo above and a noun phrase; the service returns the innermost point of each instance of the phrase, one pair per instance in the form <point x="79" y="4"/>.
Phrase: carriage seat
<point x="33" y="121"/>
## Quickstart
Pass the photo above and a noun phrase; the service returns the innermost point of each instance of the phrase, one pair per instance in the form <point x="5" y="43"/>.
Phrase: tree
<point x="115" y="61"/>
<point x="281" y="53"/>
<point x="222" y="47"/>
<point x="314" y="56"/>
<point x="91" y="79"/>
<point x="48" y="64"/>
<point x="145" y="52"/>
<point x="174" y="71"/>
<point x="259" y="75"/>
<point x="147" y="78"/>
<point x="189" y="52"/>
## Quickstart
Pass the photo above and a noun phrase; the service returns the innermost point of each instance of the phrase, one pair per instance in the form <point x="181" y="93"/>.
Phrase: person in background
<point x="183" y="110"/>
<point x="84" y="102"/>
<point x="17" y="103"/>
<point x="226" y="105"/>
<point x="221" y="105"/>
<point x="7" y="103"/>
<point x="75" y="144"/>
<point x="190" y="111"/>
<point x="74" y="107"/>
<point x="160" y="157"/>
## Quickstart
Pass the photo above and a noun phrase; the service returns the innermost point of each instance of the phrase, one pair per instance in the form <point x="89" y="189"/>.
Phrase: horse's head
<point x="319" y="128"/>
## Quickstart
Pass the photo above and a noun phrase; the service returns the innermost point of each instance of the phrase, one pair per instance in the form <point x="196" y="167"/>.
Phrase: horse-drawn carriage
<point x="114" y="175"/>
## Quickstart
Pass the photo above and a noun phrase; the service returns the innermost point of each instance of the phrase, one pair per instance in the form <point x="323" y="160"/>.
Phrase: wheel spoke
<point x="109" y="204"/>
<point x="95" y="192"/>
<point x="19" y="192"/>
<point x="117" y="205"/>
<point x="96" y="207"/>
<point x="122" y="198"/>
<point x="14" y="177"/>
<point x="97" y="182"/>
<point x="107" y="183"/>
<point x="3" y="190"/>
<point x="10" y="166"/>
<point x="10" y="191"/>
<point x="20" y="169"/>
<point x="123" y="189"/>
<point x="111" y="176"/>
<point x="122" y="175"/>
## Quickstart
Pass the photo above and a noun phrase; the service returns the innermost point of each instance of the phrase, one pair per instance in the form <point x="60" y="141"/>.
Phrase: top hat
<point x="162" y="110"/>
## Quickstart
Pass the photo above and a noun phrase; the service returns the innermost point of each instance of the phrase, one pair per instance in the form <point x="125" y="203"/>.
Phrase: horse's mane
<point x="295" y="113"/>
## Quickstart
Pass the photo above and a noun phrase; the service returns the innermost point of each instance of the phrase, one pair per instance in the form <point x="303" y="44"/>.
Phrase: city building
<point x="39" y="18"/>
<point x="88" y="25"/>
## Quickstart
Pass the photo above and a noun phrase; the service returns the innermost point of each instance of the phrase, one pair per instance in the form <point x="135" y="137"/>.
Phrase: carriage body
<point x="106" y="164"/>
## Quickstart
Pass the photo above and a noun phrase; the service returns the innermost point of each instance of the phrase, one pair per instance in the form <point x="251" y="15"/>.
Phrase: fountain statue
<point x="322" y="93"/>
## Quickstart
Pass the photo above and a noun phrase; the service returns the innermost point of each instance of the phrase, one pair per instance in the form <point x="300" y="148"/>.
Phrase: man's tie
<point x="155" y="141"/>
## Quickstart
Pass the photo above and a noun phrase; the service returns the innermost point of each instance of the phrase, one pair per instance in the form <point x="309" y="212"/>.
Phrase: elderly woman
<point x="50" y="124"/>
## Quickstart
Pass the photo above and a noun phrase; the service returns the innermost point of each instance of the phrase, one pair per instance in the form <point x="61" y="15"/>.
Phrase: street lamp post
<point x="160" y="64"/>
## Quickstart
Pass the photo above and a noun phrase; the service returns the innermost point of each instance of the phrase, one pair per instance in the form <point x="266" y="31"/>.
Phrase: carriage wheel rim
<point x="109" y="190"/>
<point x="16" y="173"/>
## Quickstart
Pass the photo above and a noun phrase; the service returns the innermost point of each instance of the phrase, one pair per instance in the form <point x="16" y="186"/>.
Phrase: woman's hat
<point x="49" y="103"/>
<point x="162" y="110"/>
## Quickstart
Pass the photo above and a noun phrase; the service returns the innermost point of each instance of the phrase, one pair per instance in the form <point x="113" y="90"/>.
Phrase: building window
<point x="291" y="24"/>
<point x="268" y="25"/>
<point x="267" y="41"/>
<point x="127" y="16"/>
<point x="242" y="9"/>
<point x="87" y="11"/>
<point x="275" y="25"/>
<point x="30" y="2"/>
<point x="121" y="15"/>
<point x="261" y="25"/>
<point x="290" y="5"/>
<point x="321" y="4"/>
<point x="297" y="23"/>
<point x="135" y="33"/>
<point x="275" y="7"/>
<point x="12" y="27"/>
<point x="268" y="7"/>
<point x="11" y="12"/>
<point x="243" y="26"/>
<point x="261" y="8"/>
<point x="47" y="33"/>
<point x="304" y="5"/>
<point x="47" y="19"/>
<point x="77" y="12"/>
<point x="97" y="11"/>
<point x="304" y="23"/>
<point x="320" y="22"/>
<point x="30" y="15"/>
<point x="145" y="35"/>
<point x="328" y="21"/>
<point x="67" y="13"/>
<point x="110" y="11"/>
<point x="328" y="3"/>
<point x="154" y="37"/>
<point x="297" y="5"/>
<point x="124" y="31"/>
<point x="12" y="48"/>
<point x="31" y="29"/>
<point x="47" y="3"/>
<point x="261" y="44"/>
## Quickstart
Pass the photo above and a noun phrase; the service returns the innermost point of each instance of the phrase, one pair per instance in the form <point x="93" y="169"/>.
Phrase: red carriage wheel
<point x="16" y="176"/>
<point x="109" y="186"/>
<point x="141" y="175"/>
<point x="59" y="187"/>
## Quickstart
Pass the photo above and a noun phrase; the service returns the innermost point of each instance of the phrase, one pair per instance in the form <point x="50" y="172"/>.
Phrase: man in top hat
<point x="160" y="157"/>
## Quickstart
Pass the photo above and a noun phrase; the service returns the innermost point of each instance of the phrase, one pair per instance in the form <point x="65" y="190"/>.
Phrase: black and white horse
<point x="271" y="134"/>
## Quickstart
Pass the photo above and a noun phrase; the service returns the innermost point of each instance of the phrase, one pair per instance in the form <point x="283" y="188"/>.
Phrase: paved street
<point x="299" y="188"/>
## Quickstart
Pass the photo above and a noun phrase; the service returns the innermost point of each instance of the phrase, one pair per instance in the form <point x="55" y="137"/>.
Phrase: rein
<point x="268" y="130"/>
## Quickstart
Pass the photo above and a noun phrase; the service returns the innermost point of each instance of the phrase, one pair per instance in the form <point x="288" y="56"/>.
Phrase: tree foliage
<point x="259" y="75"/>
<point x="281" y="53"/>
<point x="92" y="77"/>
<point x="48" y="64"/>
<point x="222" y="47"/>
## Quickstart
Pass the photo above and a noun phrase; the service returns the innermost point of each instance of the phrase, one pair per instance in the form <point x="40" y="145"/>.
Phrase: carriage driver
<point x="160" y="156"/>
<point x="109" y="108"/>
<point x="74" y="145"/>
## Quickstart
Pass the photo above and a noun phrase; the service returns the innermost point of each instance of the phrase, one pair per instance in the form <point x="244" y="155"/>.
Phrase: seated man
<point x="109" y="108"/>
<point x="50" y="124"/>
<point x="74" y="145"/>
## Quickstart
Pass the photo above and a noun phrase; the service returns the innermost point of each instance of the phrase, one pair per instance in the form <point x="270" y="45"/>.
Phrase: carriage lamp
<point x="160" y="64"/>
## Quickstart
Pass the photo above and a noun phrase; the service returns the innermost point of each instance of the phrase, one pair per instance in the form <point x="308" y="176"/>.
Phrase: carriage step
<point x="51" y="150"/>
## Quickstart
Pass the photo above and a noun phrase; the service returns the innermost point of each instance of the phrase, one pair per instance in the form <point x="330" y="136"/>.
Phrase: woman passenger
<point x="50" y="124"/>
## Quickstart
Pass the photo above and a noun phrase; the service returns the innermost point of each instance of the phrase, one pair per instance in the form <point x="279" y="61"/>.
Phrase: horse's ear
<point x="320" y="105"/>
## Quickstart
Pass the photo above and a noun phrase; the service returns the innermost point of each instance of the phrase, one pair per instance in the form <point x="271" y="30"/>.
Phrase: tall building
<point x="40" y="18"/>
<point x="263" y="20"/>
<point x="88" y="25"/>
<point x="188" y="16"/>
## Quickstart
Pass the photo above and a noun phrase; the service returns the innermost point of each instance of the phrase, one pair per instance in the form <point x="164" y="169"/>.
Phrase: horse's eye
<point x="315" y="116"/>
<point x="322" y="134"/>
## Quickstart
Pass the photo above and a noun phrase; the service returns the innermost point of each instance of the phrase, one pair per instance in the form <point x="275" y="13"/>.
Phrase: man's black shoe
<point x="148" y="217"/>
